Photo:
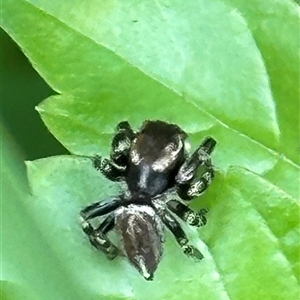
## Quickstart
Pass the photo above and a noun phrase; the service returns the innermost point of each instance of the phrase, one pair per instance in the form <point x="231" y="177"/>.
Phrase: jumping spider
<point x="153" y="163"/>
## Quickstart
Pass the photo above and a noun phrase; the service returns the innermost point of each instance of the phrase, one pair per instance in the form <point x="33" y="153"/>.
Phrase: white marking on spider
<point x="144" y="176"/>
<point x="122" y="145"/>
<point x="187" y="146"/>
<point x="135" y="157"/>
<point x="196" y="189"/>
<point x="100" y="241"/>
<point x="144" y="270"/>
<point x="207" y="176"/>
<point x="191" y="217"/>
<point x="137" y="210"/>
<point x="169" y="155"/>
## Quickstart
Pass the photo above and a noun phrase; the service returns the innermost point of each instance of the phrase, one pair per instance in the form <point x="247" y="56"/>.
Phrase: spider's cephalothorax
<point x="152" y="162"/>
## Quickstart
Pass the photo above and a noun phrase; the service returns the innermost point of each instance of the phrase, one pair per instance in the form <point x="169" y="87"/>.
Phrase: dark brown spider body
<point x="154" y="158"/>
<point x="142" y="234"/>
<point x="152" y="162"/>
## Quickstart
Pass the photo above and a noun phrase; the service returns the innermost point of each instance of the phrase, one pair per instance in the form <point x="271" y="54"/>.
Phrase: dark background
<point x="21" y="90"/>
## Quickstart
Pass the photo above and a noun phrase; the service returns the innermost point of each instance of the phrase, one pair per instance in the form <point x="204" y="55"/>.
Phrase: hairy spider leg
<point x="109" y="169"/>
<point x="98" y="237"/>
<point x="187" y="188"/>
<point x="188" y="215"/>
<point x="121" y="143"/>
<point x="114" y="168"/>
<point x="98" y="209"/>
<point x="179" y="235"/>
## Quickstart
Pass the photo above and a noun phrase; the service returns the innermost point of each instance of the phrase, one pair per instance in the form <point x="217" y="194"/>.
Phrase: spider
<point x="154" y="164"/>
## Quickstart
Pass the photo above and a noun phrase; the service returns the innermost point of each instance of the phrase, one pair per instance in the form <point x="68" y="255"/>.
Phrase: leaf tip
<point x="39" y="109"/>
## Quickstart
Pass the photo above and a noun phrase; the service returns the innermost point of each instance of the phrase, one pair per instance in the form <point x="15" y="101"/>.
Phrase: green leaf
<point x="30" y="266"/>
<point x="209" y="74"/>
<point x="252" y="238"/>
<point x="274" y="25"/>
<point x="220" y="68"/>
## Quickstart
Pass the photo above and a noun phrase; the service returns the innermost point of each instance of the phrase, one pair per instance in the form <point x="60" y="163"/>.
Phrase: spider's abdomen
<point x="143" y="236"/>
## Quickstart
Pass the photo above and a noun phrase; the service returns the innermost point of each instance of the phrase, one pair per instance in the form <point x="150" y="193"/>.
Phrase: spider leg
<point x="188" y="215"/>
<point x="188" y="187"/>
<point x="98" y="209"/>
<point x="98" y="237"/>
<point x="121" y="143"/>
<point x="115" y="168"/>
<point x="109" y="169"/>
<point x="196" y="188"/>
<point x="179" y="235"/>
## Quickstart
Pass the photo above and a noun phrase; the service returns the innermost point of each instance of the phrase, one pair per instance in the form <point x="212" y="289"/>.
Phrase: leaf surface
<point x="214" y="69"/>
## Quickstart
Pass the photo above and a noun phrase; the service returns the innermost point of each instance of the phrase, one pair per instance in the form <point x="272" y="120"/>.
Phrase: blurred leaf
<point x="21" y="89"/>
<point x="27" y="259"/>
<point x="205" y="66"/>
<point x="275" y="26"/>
